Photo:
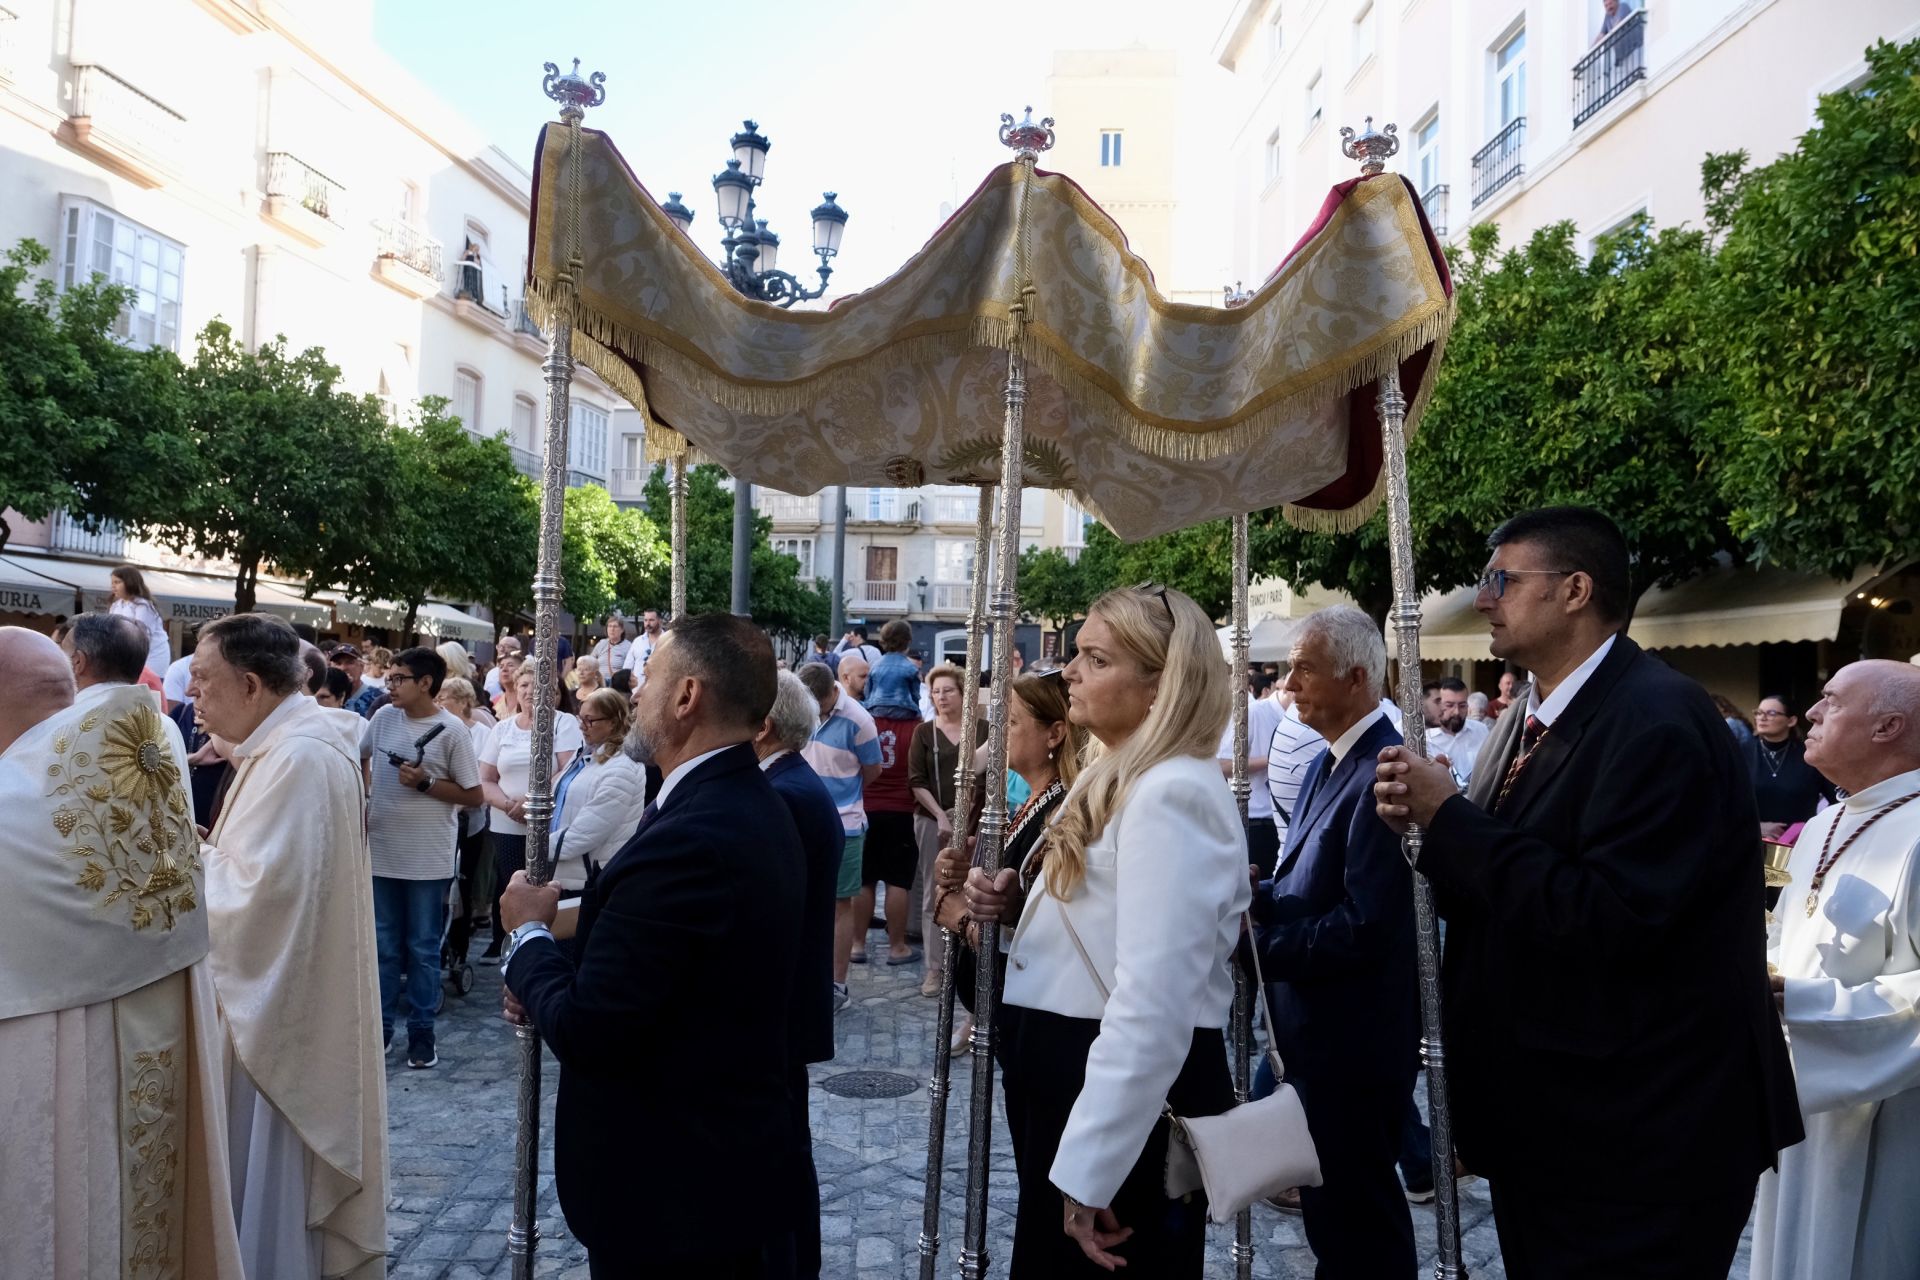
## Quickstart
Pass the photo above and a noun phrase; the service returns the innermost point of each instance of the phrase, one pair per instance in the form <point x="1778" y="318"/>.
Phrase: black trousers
<point x="1562" y="1233"/>
<point x="1263" y="843"/>
<point x="1357" y="1220"/>
<point x="799" y="1257"/>
<point x="1046" y="1065"/>
<point x="641" y="1263"/>
<point x="509" y="856"/>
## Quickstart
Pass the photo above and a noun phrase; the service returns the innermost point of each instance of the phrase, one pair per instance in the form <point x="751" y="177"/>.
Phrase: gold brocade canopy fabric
<point x="1156" y="415"/>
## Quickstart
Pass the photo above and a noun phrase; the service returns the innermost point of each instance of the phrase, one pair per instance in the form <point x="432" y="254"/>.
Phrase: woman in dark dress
<point x="1786" y="788"/>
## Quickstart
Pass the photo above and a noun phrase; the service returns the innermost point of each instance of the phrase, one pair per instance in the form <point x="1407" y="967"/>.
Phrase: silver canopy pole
<point x="1028" y="140"/>
<point x="1372" y="149"/>
<point x="677" y="533"/>
<point x="929" y="1243"/>
<point x="1242" y="985"/>
<point x="574" y="94"/>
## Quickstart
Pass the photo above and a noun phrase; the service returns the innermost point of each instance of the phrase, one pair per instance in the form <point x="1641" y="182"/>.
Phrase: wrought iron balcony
<point x="1616" y="62"/>
<point x="291" y="178"/>
<point x="878" y="594"/>
<point x="1435" y="201"/>
<point x="64" y="533"/>
<point x="397" y="245"/>
<point x="523" y="321"/>
<point x="121" y="123"/>
<point x="526" y="462"/>
<point x="1499" y="162"/>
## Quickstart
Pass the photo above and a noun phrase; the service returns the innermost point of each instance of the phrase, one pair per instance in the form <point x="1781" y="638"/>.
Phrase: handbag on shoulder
<point x="1246" y="1153"/>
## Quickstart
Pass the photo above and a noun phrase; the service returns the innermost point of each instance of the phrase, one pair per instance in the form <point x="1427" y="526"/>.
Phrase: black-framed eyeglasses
<point x="1494" y="581"/>
<point x="395" y="677"/>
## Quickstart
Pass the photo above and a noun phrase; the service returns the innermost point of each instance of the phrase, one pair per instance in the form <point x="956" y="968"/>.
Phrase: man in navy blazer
<point x="788" y="729"/>
<point x="674" y="1086"/>
<point x="1335" y="935"/>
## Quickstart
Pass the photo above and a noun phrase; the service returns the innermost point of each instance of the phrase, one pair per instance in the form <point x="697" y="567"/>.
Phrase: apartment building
<point x="263" y="163"/>
<point x="1525" y="112"/>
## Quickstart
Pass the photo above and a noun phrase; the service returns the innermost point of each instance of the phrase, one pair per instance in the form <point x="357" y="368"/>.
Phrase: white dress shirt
<point x="681" y="770"/>
<point x="1344" y="743"/>
<point x="1548" y="711"/>
<point x="1159" y="915"/>
<point x="1461" y="749"/>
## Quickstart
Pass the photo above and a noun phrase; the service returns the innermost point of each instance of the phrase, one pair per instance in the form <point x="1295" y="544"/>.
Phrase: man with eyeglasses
<point x="1619" y="1075"/>
<point x="420" y="769"/>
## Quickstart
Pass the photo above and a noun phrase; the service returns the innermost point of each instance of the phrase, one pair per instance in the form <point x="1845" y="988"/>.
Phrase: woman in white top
<point x="506" y="762"/>
<point x="131" y="599"/>
<point x="1139" y="893"/>
<point x="601" y="795"/>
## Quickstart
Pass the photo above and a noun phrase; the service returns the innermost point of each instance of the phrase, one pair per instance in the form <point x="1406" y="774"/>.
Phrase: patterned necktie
<point x="1530" y="736"/>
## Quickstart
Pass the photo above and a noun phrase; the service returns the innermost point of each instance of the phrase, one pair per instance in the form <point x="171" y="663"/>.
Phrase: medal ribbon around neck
<point x="1829" y="855"/>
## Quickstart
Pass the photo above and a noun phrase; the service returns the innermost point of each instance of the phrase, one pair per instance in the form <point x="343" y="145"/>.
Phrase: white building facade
<point x="262" y="163"/>
<point x="1525" y="112"/>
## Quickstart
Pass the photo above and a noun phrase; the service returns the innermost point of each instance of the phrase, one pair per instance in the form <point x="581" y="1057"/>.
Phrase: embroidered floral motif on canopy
<point x="1156" y="414"/>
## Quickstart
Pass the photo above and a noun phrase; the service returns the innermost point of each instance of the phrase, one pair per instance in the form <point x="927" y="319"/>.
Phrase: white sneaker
<point x="840" y="997"/>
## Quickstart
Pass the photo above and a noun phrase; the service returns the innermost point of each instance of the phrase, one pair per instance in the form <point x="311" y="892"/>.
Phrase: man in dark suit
<point x="1335" y="938"/>
<point x="788" y="729"/>
<point x="673" y="1075"/>
<point x="1618" y="1069"/>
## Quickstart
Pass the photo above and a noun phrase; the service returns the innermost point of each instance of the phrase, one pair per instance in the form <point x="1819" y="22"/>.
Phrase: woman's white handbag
<point x="1255" y="1150"/>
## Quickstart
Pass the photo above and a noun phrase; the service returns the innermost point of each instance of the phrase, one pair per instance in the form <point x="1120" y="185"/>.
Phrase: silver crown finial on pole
<point x="1027" y="138"/>
<point x="574" y="92"/>
<point x="1370" y="148"/>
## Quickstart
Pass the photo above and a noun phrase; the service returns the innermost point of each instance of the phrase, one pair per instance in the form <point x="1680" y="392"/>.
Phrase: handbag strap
<point x="1260" y="981"/>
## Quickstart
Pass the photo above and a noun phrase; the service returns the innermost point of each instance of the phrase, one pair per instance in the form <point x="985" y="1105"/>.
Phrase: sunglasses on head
<point x="1158" y="590"/>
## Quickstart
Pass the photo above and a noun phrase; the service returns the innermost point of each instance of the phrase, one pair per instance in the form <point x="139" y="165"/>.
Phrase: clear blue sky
<point x="892" y="105"/>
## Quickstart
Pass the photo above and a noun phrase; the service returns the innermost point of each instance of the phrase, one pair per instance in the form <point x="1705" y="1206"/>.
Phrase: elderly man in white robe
<point x="113" y="1156"/>
<point x="290" y="905"/>
<point x="1848" y="981"/>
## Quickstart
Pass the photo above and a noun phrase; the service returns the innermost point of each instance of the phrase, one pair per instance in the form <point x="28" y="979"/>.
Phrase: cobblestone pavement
<point x="451" y="1140"/>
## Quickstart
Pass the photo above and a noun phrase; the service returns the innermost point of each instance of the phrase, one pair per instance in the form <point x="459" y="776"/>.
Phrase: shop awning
<point x="1269" y="639"/>
<point x="449" y="623"/>
<point x="1728" y="605"/>
<point x="35" y="584"/>
<point x="379" y="613"/>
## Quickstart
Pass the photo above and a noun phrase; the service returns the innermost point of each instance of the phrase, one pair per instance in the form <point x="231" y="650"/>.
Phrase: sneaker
<point x="840" y="997"/>
<point x="492" y="954"/>
<point x="1420" y="1192"/>
<point x="420" y="1051"/>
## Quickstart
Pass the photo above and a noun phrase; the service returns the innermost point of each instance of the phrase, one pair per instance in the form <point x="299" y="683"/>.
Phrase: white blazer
<point x="1159" y="915"/>
<point x="603" y="808"/>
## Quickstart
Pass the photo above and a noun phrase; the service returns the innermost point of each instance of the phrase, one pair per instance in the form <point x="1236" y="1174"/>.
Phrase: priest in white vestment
<point x="1845" y="1203"/>
<point x="113" y="1159"/>
<point x="290" y="902"/>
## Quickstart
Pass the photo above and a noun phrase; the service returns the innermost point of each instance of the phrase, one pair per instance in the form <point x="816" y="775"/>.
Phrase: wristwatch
<point x="531" y="929"/>
<point x="423" y="786"/>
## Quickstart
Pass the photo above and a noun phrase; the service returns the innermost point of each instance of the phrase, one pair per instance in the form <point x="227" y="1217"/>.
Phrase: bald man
<point x="1847" y="976"/>
<point x="111" y="1146"/>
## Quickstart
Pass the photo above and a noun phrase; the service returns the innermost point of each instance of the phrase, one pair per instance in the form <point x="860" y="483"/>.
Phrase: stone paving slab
<point x="451" y="1142"/>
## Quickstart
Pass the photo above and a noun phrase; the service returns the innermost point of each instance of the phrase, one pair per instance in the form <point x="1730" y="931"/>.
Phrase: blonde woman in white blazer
<point x="605" y="796"/>
<point x="1147" y="868"/>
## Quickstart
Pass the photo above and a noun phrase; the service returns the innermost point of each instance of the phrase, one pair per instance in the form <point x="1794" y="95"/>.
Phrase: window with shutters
<point x="466" y="399"/>
<point x="96" y="241"/>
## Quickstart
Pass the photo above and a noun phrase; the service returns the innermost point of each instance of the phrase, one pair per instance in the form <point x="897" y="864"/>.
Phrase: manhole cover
<point x="870" y="1084"/>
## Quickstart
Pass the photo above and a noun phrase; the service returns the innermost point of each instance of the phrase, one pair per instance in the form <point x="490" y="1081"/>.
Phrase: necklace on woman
<point x="1827" y="859"/>
<point x="1775" y="759"/>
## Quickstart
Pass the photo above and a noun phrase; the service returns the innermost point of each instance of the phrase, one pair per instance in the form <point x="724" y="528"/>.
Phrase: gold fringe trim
<point x="1349" y="519"/>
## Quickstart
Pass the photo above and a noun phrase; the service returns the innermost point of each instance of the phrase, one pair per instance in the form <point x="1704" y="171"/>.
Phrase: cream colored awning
<point x="385" y="614"/>
<point x="1724" y="606"/>
<point x="448" y="623"/>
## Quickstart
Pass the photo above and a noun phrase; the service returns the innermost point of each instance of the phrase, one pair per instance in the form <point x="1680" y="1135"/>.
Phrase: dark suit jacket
<point x="674" y="1074"/>
<point x="1608" y="1020"/>
<point x="824" y="838"/>
<point x="1336" y="935"/>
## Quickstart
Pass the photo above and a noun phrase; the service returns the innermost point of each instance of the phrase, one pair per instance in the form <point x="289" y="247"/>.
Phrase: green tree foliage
<point x="285" y="468"/>
<point x="610" y="558"/>
<point x="456" y="516"/>
<point x="1198" y="561"/>
<point x="1052" y="587"/>
<point x="778" y="600"/>
<point x="1818" y="305"/>
<point x="86" y="423"/>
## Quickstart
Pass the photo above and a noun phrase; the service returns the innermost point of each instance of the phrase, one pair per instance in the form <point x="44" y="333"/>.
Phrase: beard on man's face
<point x="1453" y="721"/>
<point x="638" y="747"/>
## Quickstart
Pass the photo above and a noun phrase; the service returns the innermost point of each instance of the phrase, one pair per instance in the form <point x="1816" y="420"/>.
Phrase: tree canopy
<point x="779" y="601"/>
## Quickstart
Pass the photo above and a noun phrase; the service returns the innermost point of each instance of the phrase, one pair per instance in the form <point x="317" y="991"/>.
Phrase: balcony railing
<point x="578" y="479"/>
<point x="952" y="508"/>
<point x="1499" y="162"/>
<point x="1616" y="62"/>
<point x="526" y="462"/>
<point x="109" y="112"/>
<point x="64" y="533"/>
<point x="948" y="597"/>
<point x="786" y="507"/>
<point x="630" y="482"/>
<point x="9" y="42"/>
<point x="523" y="321"/>
<point x="1435" y="201"/>
<point x="292" y="178"/>
<point x="878" y="594"/>
<point x="407" y="245"/>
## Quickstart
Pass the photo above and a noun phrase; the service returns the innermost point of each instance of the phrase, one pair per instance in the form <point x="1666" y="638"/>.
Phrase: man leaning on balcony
<point x="1617" y="13"/>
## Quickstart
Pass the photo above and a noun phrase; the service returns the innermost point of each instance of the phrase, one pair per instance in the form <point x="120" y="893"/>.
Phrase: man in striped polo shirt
<point x="845" y="752"/>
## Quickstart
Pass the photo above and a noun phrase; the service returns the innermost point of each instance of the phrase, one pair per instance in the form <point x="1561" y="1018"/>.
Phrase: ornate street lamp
<point x="749" y="257"/>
